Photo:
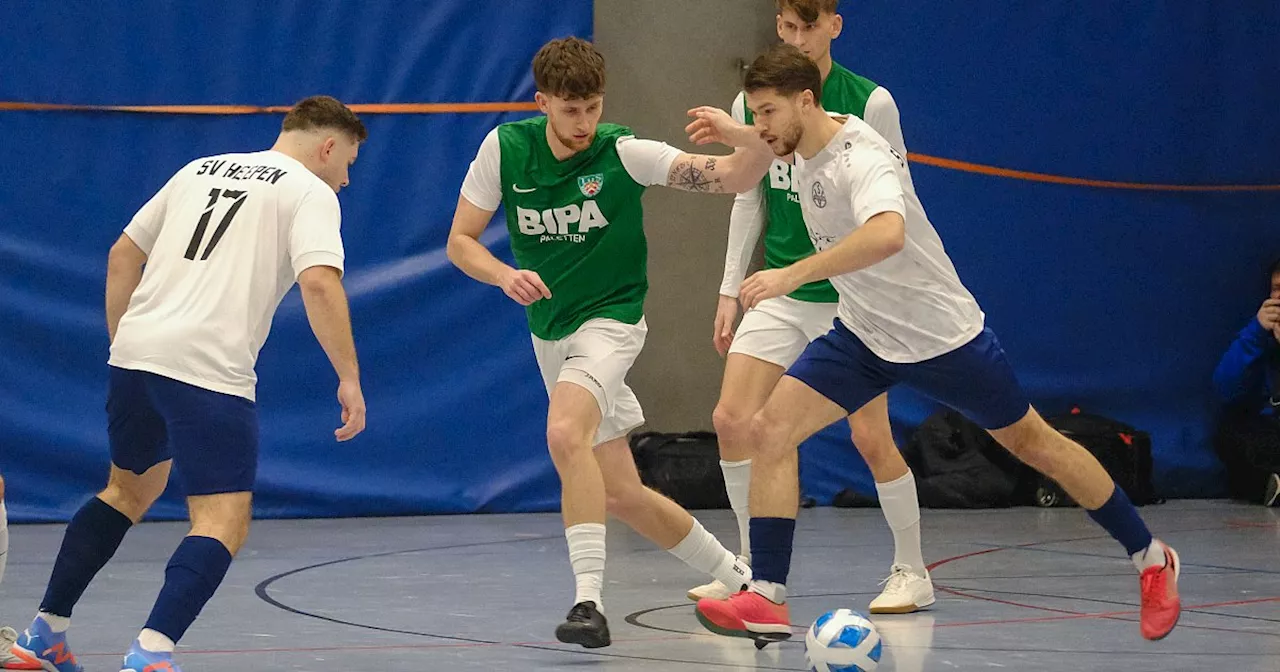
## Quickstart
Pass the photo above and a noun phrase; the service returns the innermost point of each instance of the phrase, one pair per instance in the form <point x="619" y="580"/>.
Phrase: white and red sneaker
<point x="1161" y="605"/>
<point x="746" y="614"/>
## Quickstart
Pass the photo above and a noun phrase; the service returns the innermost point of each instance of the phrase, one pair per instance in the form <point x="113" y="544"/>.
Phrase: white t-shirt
<point x="225" y="239"/>
<point x="647" y="162"/>
<point x="911" y="306"/>
<point x="750" y="210"/>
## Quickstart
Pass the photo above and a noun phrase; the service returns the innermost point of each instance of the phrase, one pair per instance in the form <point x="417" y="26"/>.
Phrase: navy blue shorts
<point x="975" y="379"/>
<point x="211" y="437"/>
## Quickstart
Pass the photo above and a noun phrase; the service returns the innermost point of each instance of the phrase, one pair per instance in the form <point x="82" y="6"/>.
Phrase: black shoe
<point x="584" y="626"/>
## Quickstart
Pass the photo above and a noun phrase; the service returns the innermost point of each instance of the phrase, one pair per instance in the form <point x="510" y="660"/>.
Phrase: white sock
<point x="737" y="482"/>
<point x="1151" y="556"/>
<point x="56" y="623"/>
<point x="586" y="555"/>
<point x="774" y="592"/>
<point x="703" y="552"/>
<point x="4" y="538"/>
<point x="901" y="509"/>
<point x="155" y="642"/>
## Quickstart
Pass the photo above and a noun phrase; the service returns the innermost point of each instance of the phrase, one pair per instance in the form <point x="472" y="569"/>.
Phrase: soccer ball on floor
<point x="842" y="641"/>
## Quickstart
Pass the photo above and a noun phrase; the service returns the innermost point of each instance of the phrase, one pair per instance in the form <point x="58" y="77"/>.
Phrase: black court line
<point x="261" y="591"/>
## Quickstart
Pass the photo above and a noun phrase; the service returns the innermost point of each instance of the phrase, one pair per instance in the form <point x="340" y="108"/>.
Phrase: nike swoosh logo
<point x="516" y="188"/>
<point x="574" y="357"/>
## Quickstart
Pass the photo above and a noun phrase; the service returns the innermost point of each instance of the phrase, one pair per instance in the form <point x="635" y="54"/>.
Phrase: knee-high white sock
<point x="902" y="511"/>
<point x="737" y="482"/>
<point x="4" y="538"/>
<point x="586" y="555"/>
<point x="703" y="552"/>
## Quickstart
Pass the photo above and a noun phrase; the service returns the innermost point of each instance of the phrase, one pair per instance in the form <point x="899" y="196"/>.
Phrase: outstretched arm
<point x="735" y="173"/>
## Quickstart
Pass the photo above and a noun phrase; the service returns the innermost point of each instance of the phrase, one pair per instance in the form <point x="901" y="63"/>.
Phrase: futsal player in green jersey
<point x="571" y="189"/>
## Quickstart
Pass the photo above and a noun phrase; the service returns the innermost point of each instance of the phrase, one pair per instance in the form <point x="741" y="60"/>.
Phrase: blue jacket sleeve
<point x="1242" y="371"/>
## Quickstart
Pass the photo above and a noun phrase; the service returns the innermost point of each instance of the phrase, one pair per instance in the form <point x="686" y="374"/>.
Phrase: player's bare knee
<point x="225" y="517"/>
<point x="769" y="437"/>
<point x="624" y="503"/>
<point x="1" y="488"/>
<point x="872" y="442"/>
<point x="730" y="422"/>
<point x="129" y="497"/>
<point x="566" y="441"/>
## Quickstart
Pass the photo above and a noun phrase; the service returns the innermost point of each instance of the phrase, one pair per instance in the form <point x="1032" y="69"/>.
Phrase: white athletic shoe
<point x="8" y="636"/>
<point x="716" y="590"/>
<point x="905" y="592"/>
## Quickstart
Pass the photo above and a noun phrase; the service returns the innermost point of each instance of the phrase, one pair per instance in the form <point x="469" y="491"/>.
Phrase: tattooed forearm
<point x="686" y="176"/>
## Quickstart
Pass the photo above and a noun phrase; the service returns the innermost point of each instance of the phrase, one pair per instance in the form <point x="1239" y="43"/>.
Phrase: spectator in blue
<point x="1248" y="380"/>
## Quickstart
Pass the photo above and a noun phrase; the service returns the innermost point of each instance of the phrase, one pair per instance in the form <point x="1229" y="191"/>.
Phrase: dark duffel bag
<point x="1125" y="452"/>
<point x="684" y="467"/>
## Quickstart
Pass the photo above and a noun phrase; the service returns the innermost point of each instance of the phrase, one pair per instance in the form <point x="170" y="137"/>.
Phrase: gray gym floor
<point x="1019" y="589"/>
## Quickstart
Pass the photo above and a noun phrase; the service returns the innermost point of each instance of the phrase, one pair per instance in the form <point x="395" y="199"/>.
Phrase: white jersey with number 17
<point x="225" y="239"/>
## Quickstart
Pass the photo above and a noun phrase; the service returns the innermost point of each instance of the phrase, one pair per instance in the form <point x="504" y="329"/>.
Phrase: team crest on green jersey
<point x="590" y="185"/>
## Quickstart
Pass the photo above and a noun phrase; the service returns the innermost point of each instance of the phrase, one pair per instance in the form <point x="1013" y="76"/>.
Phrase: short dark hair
<point x="324" y="112"/>
<point x="569" y="68"/>
<point x="808" y="10"/>
<point x="786" y="70"/>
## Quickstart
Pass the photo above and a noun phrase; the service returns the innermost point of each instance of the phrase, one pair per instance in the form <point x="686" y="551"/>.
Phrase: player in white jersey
<point x="772" y="334"/>
<point x="222" y="242"/>
<point x="904" y="318"/>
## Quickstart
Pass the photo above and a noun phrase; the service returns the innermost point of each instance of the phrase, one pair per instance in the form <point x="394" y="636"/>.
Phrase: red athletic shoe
<point x="746" y="614"/>
<point x="1161" y="606"/>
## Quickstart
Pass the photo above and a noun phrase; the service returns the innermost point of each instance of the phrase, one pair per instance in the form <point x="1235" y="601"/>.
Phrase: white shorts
<point x="779" y="329"/>
<point x="597" y="358"/>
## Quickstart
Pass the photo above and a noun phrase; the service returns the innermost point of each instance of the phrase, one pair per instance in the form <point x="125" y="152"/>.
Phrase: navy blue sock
<point x="92" y="537"/>
<point x="194" y="573"/>
<point x="771" y="540"/>
<point x="1121" y="520"/>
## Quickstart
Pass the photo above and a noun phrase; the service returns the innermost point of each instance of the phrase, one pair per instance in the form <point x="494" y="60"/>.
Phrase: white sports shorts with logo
<point x="779" y="329"/>
<point x="597" y="358"/>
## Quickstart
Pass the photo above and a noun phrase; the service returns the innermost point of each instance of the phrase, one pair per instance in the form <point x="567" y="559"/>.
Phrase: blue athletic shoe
<point x="141" y="660"/>
<point x="49" y="649"/>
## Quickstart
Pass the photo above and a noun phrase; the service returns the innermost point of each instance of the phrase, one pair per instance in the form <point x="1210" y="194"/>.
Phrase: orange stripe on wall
<point x="529" y="106"/>
<point x="967" y="167"/>
<point x="366" y="108"/>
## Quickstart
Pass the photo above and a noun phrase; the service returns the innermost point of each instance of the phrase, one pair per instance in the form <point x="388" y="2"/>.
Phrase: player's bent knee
<point x="566" y="440"/>
<point x="623" y="504"/>
<point x="730" y="421"/>
<point x="225" y="517"/>
<point x="770" y="437"/>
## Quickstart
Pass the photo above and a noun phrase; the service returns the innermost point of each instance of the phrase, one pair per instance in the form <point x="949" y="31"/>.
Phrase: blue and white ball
<point x="842" y="641"/>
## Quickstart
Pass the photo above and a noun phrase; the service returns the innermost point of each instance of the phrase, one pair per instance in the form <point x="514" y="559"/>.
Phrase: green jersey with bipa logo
<point x="577" y="223"/>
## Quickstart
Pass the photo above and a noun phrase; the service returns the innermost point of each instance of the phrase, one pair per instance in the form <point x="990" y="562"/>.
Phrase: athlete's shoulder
<point x="842" y="76"/>
<point x="613" y="131"/>
<point x="860" y="144"/>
